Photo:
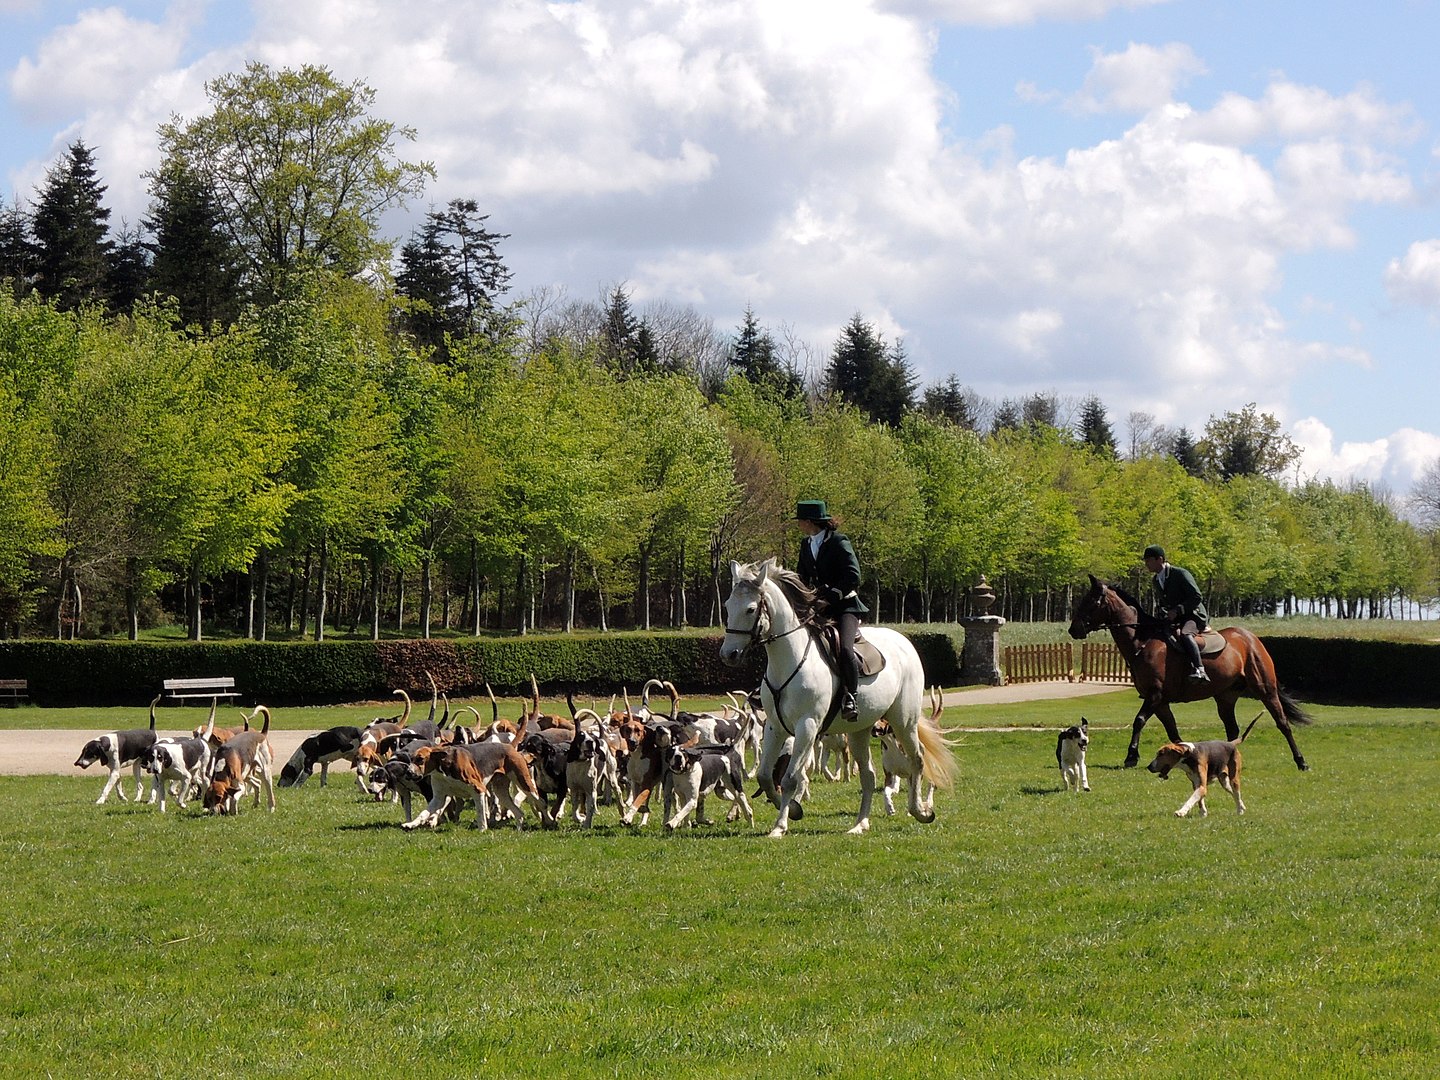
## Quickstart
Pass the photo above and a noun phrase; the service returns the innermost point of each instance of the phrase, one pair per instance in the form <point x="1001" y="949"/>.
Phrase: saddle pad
<point x="1212" y="642"/>
<point x="872" y="660"/>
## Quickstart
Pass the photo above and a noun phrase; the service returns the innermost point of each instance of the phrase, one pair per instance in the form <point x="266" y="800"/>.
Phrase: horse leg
<point x="1132" y="755"/>
<point x="800" y="753"/>
<point x="1226" y="707"/>
<point x="859" y="742"/>
<point x="1276" y="708"/>
<point x="1162" y="710"/>
<point x="921" y="808"/>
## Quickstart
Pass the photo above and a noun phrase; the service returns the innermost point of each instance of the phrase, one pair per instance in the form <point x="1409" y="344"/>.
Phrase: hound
<point x="244" y="760"/>
<point x="547" y="751"/>
<point x="475" y="771"/>
<point x="590" y="768"/>
<point x="1070" y="756"/>
<point x="1201" y="761"/>
<point x="115" y="750"/>
<point x="332" y="744"/>
<point x="185" y="762"/>
<point x="696" y="771"/>
<point x="893" y="761"/>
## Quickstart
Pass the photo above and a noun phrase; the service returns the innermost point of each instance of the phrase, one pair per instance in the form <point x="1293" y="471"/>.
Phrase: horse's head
<point x="747" y="615"/>
<point x="1096" y="609"/>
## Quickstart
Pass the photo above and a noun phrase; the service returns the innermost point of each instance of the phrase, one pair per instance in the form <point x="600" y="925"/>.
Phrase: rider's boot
<point x="1192" y="651"/>
<point x="849" y="680"/>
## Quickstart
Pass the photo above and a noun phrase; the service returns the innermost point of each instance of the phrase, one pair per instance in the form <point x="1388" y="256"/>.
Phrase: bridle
<point x="763" y="638"/>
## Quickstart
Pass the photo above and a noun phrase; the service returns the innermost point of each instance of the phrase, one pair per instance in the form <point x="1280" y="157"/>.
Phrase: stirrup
<point x="848" y="709"/>
<point x="1198" y="675"/>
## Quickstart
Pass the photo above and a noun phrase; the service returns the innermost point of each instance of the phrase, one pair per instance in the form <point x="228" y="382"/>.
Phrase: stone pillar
<point x="980" y="657"/>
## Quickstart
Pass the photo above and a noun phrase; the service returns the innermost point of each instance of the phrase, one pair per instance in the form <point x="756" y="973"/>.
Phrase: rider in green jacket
<point x="1182" y="605"/>
<point x="829" y="565"/>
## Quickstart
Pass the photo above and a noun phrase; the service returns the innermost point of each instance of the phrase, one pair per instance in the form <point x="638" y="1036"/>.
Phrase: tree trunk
<point x="375" y="583"/>
<point x="426" y="595"/>
<point x="263" y="600"/>
<point x="475" y="581"/>
<point x="320" y="590"/>
<point x="195" y="627"/>
<point x="570" y="591"/>
<point x="132" y="599"/>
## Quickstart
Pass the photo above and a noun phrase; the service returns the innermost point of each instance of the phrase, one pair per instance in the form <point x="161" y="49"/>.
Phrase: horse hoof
<point x="861" y="828"/>
<point x="926" y="817"/>
<point x="776" y="833"/>
<point x="796" y="811"/>
<point x="1302" y="764"/>
<point x="1131" y="761"/>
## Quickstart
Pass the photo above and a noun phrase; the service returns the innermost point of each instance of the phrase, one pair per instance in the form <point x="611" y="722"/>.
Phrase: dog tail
<point x="152" y="711"/>
<point x="1251" y="725"/>
<point x="1293" y="712"/>
<point x="517" y="765"/>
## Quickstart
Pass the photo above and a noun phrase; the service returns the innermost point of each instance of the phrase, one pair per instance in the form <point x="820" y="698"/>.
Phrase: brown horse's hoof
<point x="1302" y="764"/>
<point x="1131" y="760"/>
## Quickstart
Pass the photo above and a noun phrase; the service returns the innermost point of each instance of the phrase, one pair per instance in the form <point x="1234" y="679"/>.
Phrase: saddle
<point x="1211" y="642"/>
<point x="870" y="659"/>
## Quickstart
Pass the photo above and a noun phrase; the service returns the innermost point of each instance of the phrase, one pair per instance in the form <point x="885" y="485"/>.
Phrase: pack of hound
<point x="538" y="768"/>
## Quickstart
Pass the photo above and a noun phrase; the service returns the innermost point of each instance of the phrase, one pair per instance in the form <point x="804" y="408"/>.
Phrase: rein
<point x="763" y="612"/>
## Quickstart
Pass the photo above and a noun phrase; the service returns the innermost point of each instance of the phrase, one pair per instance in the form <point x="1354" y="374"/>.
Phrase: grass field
<point x="1027" y="933"/>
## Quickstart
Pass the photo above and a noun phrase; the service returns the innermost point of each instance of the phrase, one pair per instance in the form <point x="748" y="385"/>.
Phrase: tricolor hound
<point x="244" y="760"/>
<point x="1203" y="761"/>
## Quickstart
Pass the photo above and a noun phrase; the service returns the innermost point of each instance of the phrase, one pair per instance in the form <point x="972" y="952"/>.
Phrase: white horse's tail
<point x="938" y="764"/>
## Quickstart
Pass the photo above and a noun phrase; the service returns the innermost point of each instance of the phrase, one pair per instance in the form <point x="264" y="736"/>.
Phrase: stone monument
<point x="980" y="656"/>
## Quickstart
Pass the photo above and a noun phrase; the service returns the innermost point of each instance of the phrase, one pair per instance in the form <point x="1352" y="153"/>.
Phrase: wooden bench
<point x="14" y="690"/>
<point x="222" y="686"/>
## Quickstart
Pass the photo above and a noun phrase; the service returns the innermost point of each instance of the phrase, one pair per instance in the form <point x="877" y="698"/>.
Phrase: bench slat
<point x="219" y="686"/>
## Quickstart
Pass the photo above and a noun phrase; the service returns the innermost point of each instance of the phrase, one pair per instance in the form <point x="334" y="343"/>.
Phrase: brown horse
<point x="1161" y="675"/>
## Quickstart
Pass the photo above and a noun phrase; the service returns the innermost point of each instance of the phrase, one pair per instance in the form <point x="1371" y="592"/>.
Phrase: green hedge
<point x="1368" y="672"/>
<point x="121" y="673"/>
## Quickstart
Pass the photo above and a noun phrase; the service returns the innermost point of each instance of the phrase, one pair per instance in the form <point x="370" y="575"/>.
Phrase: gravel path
<point x="53" y="752"/>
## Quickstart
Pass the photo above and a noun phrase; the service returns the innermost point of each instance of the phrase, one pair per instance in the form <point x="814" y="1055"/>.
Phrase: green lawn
<point x="1028" y="932"/>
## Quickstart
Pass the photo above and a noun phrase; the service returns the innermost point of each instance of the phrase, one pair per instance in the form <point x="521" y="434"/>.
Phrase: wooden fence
<point x="1100" y="661"/>
<point x="1039" y="663"/>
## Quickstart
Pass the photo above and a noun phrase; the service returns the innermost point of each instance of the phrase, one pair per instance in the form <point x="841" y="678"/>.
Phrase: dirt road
<point x="53" y="752"/>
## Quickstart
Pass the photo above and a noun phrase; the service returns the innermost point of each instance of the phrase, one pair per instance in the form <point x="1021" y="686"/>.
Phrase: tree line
<point x="250" y="413"/>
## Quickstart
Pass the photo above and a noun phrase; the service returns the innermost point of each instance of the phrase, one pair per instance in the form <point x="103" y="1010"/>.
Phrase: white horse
<point x="771" y="607"/>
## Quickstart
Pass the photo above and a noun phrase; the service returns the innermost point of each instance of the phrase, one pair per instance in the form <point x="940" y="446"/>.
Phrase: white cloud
<point x="1012" y="12"/>
<point x="792" y="155"/>
<point x="1415" y="278"/>
<point x="1394" y="462"/>
<point x="1141" y="78"/>
<point x="103" y="57"/>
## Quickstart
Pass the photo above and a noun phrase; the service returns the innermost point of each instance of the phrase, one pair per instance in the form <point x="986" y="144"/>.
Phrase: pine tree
<point x="1095" y="430"/>
<point x="619" y="333"/>
<point x="426" y="278"/>
<point x="862" y="371"/>
<point x="129" y="272"/>
<point x="193" y="258"/>
<point x="72" y="250"/>
<point x="951" y="400"/>
<point x="1007" y="417"/>
<point x="17" y="250"/>
<point x="1184" y="450"/>
<point x="481" y="276"/>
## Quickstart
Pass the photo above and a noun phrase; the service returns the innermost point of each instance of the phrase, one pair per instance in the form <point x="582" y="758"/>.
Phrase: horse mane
<point x="801" y="596"/>
<point x="1143" y="619"/>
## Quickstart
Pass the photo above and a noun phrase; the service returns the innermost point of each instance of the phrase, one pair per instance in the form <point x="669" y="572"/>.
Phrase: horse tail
<point x="938" y="764"/>
<point x="1293" y="712"/>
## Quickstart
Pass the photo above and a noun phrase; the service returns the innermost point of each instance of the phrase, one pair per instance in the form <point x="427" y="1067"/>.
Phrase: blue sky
<point x="1180" y="206"/>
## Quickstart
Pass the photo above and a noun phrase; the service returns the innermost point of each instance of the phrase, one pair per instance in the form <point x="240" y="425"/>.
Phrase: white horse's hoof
<point x="861" y="827"/>
<point x="775" y="834"/>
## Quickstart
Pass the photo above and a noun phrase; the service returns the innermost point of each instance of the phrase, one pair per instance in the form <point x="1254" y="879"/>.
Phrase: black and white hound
<point x="115" y="750"/>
